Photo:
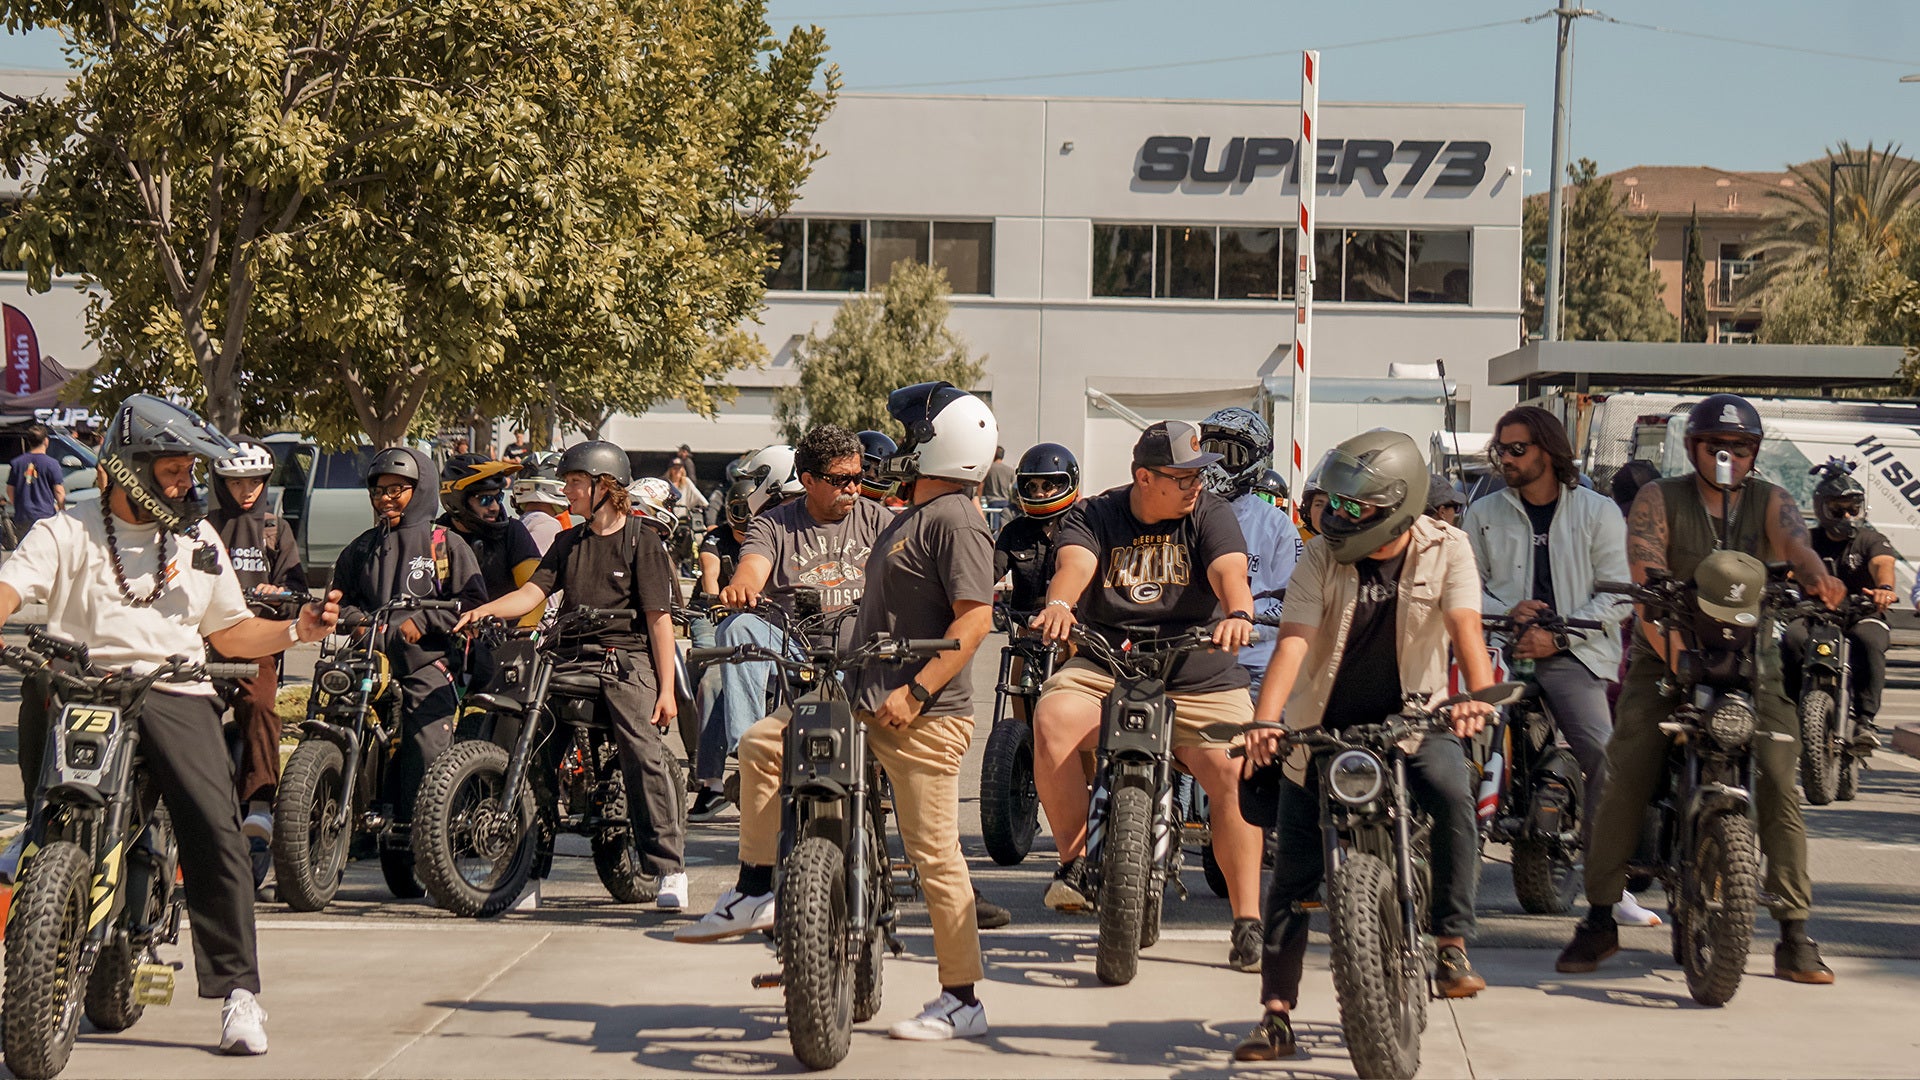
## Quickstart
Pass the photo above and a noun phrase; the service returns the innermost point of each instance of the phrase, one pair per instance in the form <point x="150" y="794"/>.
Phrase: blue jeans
<point x="742" y="700"/>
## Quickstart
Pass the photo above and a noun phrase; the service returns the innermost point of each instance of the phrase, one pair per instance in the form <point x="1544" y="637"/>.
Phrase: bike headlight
<point x="334" y="681"/>
<point x="1356" y="777"/>
<point x="1731" y="721"/>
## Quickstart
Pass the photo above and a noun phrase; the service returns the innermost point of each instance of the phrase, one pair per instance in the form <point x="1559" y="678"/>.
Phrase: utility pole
<point x="1562" y="79"/>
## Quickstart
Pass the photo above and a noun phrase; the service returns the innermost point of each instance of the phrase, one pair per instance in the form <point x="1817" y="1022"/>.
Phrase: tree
<point x="361" y="214"/>
<point x="878" y="342"/>
<point x="1612" y="292"/>
<point x="1693" y="285"/>
<point x="1873" y="197"/>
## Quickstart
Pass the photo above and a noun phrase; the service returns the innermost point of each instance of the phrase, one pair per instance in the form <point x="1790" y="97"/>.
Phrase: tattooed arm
<point x="1647" y="550"/>
<point x="1788" y="535"/>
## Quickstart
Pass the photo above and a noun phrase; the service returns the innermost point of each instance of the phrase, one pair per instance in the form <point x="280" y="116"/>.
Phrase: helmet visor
<point x="1343" y="476"/>
<point x="1043" y="488"/>
<point x="1235" y="454"/>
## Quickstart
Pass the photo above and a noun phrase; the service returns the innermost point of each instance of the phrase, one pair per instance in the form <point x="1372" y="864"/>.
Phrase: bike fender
<point x="1719" y="797"/>
<point x="333" y="733"/>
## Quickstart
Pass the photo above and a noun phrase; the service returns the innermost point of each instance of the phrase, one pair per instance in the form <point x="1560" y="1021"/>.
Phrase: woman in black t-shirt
<point x="614" y="560"/>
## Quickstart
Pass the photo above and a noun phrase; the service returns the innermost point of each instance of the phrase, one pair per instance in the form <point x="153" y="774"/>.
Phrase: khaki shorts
<point x="1191" y="712"/>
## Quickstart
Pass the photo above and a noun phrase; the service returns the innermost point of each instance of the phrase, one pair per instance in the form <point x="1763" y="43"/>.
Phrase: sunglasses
<point x="1184" y="483"/>
<point x="1740" y="448"/>
<point x="1353" y="508"/>
<point x="388" y="491"/>
<point x="1509" y="449"/>
<point x="838" y="480"/>
<point x="491" y="499"/>
<point x="1849" y="507"/>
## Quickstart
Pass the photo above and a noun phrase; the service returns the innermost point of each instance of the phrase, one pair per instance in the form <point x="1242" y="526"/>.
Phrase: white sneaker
<point x="243" y="1025"/>
<point x="10" y="858"/>
<point x="529" y="898"/>
<point x="944" y="1018"/>
<point x="733" y="914"/>
<point x="1628" y="912"/>
<point x="258" y="825"/>
<point x="673" y="892"/>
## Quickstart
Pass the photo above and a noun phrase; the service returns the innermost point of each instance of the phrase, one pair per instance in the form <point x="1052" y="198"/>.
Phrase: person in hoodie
<point x="407" y="554"/>
<point x="266" y="559"/>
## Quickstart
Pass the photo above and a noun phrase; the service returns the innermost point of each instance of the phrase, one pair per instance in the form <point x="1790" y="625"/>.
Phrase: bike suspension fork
<point x="1403" y="865"/>
<point x="523" y="746"/>
<point x="858" y="839"/>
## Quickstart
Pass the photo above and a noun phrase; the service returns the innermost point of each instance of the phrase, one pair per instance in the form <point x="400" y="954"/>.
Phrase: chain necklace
<point x="120" y="570"/>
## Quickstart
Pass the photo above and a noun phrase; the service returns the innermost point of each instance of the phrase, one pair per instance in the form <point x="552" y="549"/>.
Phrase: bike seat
<point x="497" y="703"/>
<point x="575" y="683"/>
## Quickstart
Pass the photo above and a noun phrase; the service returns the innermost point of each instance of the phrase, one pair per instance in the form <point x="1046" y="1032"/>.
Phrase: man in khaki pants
<point x="930" y="575"/>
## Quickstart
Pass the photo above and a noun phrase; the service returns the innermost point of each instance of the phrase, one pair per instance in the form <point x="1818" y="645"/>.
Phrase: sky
<point x="1675" y="88"/>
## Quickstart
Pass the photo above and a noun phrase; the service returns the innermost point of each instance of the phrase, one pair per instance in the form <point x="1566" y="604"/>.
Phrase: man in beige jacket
<point x="1371" y="609"/>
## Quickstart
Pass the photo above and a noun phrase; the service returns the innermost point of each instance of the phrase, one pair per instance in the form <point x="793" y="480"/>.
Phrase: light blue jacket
<point x="1587" y="542"/>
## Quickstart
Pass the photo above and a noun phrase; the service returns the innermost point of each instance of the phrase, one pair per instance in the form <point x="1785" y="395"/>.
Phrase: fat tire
<point x="1382" y="1011"/>
<point x="40" y="1016"/>
<point x="1124" y="878"/>
<point x="306" y="874"/>
<point x="1726" y="864"/>
<point x="816" y="975"/>
<point x="433" y="832"/>
<point x="1820" y="760"/>
<point x="111" y="1003"/>
<point x="1009" y="804"/>
<point x="614" y="856"/>
<point x="397" y="869"/>
<point x="1848" y="786"/>
<point x="1545" y="880"/>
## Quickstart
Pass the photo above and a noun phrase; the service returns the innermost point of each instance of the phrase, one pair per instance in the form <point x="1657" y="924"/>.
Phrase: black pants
<point x="655" y="804"/>
<point x="427" y="706"/>
<point x="1437" y="782"/>
<point x="36" y="702"/>
<point x="1867" y="646"/>
<point x="186" y="755"/>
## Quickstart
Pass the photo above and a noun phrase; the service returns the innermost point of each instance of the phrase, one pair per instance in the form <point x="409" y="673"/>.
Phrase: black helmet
<point x="596" y="459"/>
<point x="144" y="428"/>
<point x="743" y="501"/>
<point x="1272" y="487"/>
<point x="1046" y="481"/>
<point x="469" y="475"/>
<point x="875" y="448"/>
<point x="394" y="461"/>
<point x="1379" y="469"/>
<point x="1839" y="501"/>
<point x="1724" y="414"/>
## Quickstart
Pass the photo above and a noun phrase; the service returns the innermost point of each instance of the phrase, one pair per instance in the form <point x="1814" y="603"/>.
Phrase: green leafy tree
<point x="1612" y="292"/>
<point x="1693" y="285"/>
<point x="1873" y="195"/>
<point x="878" y="342"/>
<point x="362" y="214"/>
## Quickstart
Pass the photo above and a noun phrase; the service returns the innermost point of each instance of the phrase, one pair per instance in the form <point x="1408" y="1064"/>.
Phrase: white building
<point x="1124" y="252"/>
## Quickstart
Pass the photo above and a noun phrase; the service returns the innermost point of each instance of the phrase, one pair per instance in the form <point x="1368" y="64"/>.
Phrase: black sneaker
<point x="1799" y="961"/>
<point x="1865" y="739"/>
<point x="709" y="804"/>
<point x="988" y="915"/>
<point x="1591" y="944"/>
<point x="1453" y="974"/>
<point x="1247" y="939"/>
<point x="1065" y="893"/>
<point x="1270" y="1040"/>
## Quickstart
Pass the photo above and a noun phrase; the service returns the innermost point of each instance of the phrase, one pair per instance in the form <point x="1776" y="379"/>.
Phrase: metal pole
<point x="1562" y="81"/>
<point x="1309" y="159"/>
<point x="1833" y="171"/>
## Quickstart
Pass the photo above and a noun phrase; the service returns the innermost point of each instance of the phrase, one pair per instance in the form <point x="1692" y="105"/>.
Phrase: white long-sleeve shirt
<point x="1273" y="547"/>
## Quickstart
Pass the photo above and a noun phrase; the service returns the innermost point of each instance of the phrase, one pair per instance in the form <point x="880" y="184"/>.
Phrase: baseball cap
<point x="1729" y="586"/>
<point x="1441" y="492"/>
<point x="1172" y="444"/>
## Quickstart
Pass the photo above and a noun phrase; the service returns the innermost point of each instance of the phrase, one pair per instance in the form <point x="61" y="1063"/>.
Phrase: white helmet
<point x="951" y="434"/>
<point x="246" y="459"/>
<point x="540" y="489"/>
<point x="654" y="501"/>
<point x="781" y="479"/>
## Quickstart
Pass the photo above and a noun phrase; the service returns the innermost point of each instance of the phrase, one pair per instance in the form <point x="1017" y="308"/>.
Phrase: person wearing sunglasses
<point x="1863" y="559"/>
<point x="1159" y="556"/>
<point x="474" y="490"/>
<point x="1674" y="524"/>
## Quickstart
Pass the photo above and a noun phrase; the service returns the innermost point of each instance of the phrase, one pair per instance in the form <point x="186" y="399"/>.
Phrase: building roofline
<point x="1099" y="99"/>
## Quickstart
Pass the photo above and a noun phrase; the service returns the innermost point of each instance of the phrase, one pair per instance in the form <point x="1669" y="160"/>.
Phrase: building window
<point x="964" y="249"/>
<point x="1185" y="260"/>
<point x="1737" y="331"/>
<point x="1376" y="265"/>
<point x="1734" y="269"/>
<point x="1123" y="260"/>
<point x="1326" y="264"/>
<point x="1439" y="267"/>
<point x="836" y="255"/>
<point x="787" y="243"/>
<point x="1251" y="265"/>
<point x="898" y="242"/>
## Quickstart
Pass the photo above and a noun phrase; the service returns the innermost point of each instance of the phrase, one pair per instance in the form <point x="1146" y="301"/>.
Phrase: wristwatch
<point x="293" y="631"/>
<point x="920" y="693"/>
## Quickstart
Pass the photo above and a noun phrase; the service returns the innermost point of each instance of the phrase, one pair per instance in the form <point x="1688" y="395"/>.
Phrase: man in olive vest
<point x="1673" y="526"/>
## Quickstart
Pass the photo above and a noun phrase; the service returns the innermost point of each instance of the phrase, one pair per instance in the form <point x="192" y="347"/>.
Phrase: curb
<point x="1906" y="739"/>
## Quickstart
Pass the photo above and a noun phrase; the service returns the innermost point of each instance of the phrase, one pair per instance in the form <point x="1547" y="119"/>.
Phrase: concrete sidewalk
<point x="527" y="997"/>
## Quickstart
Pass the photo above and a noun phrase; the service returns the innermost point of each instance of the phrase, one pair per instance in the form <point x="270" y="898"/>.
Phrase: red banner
<point x="23" y="353"/>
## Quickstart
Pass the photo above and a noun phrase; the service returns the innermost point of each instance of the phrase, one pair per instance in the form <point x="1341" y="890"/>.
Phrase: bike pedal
<point x="769" y="981"/>
<point x="153" y="984"/>
<point x="1181" y="888"/>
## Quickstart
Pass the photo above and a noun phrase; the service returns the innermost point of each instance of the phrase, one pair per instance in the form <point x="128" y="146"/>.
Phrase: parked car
<point x="322" y="498"/>
<point x="79" y="461"/>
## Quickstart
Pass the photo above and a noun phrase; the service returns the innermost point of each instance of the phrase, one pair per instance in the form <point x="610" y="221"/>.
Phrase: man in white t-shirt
<point x="139" y="577"/>
<point x="1245" y="446"/>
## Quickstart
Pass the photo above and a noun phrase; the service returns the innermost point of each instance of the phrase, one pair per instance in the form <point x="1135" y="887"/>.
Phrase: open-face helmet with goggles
<point x="1376" y="487"/>
<point x="951" y="434"/>
<point x="1271" y="487"/>
<point x="1839" y="500"/>
<point x="875" y="448"/>
<point x="656" y="502"/>
<point x="1046" y="482"/>
<point x="145" y="428"/>
<point x="1245" y="445"/>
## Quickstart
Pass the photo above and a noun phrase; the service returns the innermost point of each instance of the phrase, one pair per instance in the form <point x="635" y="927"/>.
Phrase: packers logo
<point x="1146" y="592"/>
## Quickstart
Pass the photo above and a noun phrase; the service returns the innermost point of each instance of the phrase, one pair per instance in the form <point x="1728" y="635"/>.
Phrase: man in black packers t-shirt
<point x="1862" y="558"/>
<point x="614" y="560"/>
<point x="1158" y="556"/>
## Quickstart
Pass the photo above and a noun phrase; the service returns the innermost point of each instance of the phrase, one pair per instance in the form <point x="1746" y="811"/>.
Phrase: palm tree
<point x="1873" y="205"/>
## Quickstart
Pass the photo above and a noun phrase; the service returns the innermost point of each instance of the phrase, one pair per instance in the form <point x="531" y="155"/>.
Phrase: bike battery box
<point x="820" y="745"/>
<point x="1139" y="719"/>
<point x="86" y="749"/>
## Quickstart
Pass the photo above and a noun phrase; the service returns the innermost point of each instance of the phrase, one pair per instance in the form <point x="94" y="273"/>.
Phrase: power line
<point x="1724" y="40"/>
<point x="1209" y="60"/>
<point x="846" y="15"/>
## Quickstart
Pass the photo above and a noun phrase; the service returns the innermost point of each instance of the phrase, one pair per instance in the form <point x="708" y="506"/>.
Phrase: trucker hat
<point x="1729" y="587"/>
<point x="1172" y="444"/>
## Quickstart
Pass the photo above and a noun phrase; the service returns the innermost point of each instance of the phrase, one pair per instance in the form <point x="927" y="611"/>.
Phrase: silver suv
<point x="322" y="496"/>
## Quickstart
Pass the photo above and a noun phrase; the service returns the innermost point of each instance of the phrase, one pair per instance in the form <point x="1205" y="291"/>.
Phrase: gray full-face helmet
<point x="1381" y="475"/>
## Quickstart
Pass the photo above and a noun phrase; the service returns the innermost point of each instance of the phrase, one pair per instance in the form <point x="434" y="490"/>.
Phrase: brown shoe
<point x="1270" y="1041"/>
<point x="1453" y="974"/>
<point x="1799" y="961"/>
<point x="1590" y="945"/>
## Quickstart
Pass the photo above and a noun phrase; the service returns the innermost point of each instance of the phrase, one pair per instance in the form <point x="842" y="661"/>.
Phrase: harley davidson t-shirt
<point x="806" y="553"/>
<point x="1152" y="580"/>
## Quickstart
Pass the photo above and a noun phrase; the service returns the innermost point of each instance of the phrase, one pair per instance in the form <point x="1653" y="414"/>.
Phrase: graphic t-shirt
<point x="1851" y="558"/>
<point x="33" y="478"/>
<point x="808" y="554"/>
<point x="1541" y="518"/>
<point x="1152" y="580"/>
<point x="627" y="569"/>
<point x="721" y="544"/>
<point x="932" y="556"/>
<point x="1367" y="688"/>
